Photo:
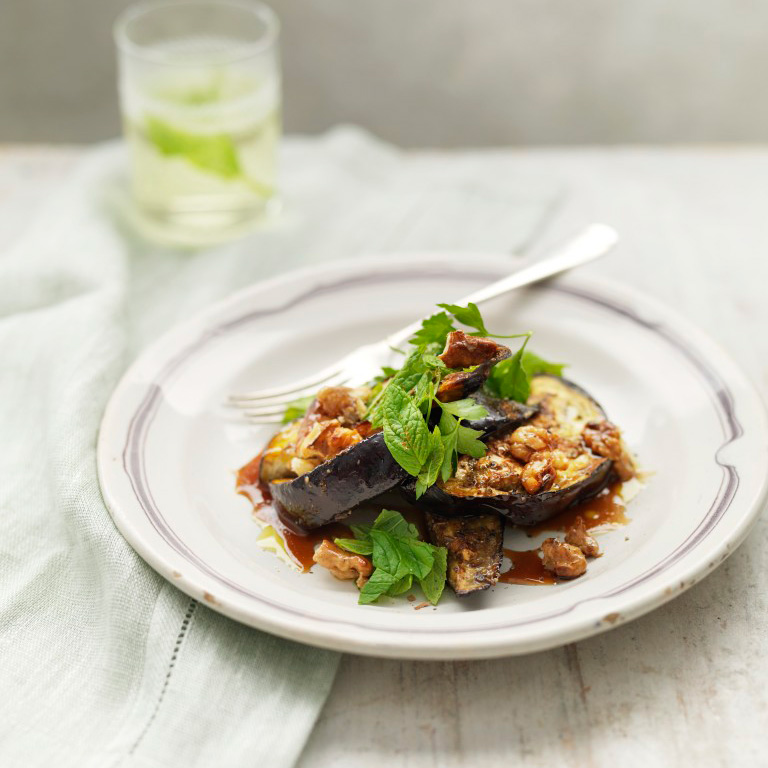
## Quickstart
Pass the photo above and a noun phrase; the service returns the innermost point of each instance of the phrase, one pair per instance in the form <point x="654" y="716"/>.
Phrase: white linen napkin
<point x="104" y="664"/>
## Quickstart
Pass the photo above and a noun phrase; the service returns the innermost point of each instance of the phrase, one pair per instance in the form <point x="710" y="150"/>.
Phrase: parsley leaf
<point x="469" y="316"/>
<point x="465" y="409"/>
<point x="433" y="330"/>
<point x="509" y="379"/>
<point x="534" y="364"/>
<point x="468" y="442"/>
<point x="405" y="431"/>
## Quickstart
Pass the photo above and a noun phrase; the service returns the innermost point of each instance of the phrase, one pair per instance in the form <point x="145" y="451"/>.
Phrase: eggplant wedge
<point x="327" y="492"/>
<point x="474" y="547"/>
<point x="531" y="473"/>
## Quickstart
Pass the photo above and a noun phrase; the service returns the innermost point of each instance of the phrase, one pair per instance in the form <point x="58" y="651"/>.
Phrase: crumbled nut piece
<point x="497" y="472"/>
<point x="578" y="535"/>
<point x="343" y="565"/>
<point x="604" y="439"/>
<point x="564" y="560"/>
<point x="326" y="439"/>
<point x="526" y="440"/>
<point x="538" y="474"/>
<point x="344" y="404"/>
<point x="462" y="351"/>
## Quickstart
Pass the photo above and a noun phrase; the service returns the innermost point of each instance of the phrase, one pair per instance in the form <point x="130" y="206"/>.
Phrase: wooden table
<point x="685" y="685"/>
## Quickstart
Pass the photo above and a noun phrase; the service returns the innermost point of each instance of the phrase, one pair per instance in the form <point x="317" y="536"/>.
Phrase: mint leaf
<point x="358" y="546"/>
<point x="379" y="584"/>
<point x="434" y="330"/>
<point x="297" y="408"/>
<point x="428" y="475"/>
<point x="393" y="522"/>
<point x="401" y="586"/>
<point x="362" y="531"/>
<point x="405" y="431"/>
<point x="467" y="442"/>
<point x="466" y="408"/>
<point x="534" y="364"/>
<point x="434" y="582"/>
<point x="469" y="316"/>
<point x="215" y="153"/>
<point x="399" y="556"/>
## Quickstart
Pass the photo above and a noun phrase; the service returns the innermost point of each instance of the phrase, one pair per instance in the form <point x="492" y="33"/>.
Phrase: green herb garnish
<point x="297" y="408"/>
<point x="402" y="399"/>
<point x="399" y="557"/>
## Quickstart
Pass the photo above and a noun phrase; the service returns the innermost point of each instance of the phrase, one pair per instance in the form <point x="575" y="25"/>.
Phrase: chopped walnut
<point x="578" y="535"/>
<point x="604" y="439"/>
<point x="343" y="565"/>
<point x="538" y="474"/>
<point x="325" y="440"/>
<point x="526" y="440"/>
<point x="497" y="472"/>
<point x="564" y="560"/>
<point x="462" y="351"/>
<point x="344" y="404"/>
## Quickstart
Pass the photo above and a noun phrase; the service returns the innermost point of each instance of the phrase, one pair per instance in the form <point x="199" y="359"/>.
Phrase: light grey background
<point x="437" y="72"/>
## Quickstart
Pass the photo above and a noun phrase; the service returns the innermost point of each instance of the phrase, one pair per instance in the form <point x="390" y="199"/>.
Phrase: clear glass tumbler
<point x="200" y="97"/>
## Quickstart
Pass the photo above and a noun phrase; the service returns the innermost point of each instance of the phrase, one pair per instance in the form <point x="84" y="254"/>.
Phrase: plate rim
<point x="328" y="635"/>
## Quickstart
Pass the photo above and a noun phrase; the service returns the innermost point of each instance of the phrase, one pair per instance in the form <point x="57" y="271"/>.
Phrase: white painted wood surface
<point x="685" y="685"/>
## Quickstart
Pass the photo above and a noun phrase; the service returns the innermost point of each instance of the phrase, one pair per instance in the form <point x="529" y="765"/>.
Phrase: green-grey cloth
<point x="104" y="664"/>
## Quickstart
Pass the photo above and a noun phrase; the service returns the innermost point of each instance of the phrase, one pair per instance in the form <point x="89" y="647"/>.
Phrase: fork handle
<point x="595" y="241"/>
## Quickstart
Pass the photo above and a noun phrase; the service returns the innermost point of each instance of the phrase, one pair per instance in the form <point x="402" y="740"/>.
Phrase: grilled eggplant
<point x="533" y="472"/>
<point x="327" y="492"/>
<point x="502" y="414"/>
<point x="474" y="547"/>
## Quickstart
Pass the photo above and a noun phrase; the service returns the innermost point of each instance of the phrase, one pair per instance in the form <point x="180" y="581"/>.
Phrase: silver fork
<point x="266" y="406"/>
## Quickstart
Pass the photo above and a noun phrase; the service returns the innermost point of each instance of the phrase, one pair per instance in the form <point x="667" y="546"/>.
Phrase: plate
<point x="168" y="452"/>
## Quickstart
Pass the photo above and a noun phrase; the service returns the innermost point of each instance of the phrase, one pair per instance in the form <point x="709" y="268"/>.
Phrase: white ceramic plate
<point x="167" y="454"/>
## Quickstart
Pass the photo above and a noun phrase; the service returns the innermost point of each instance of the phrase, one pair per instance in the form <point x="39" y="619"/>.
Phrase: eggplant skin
<point x="502" y="414"/>
<point x="329" y="491"/>
<point x="474" y="547"/>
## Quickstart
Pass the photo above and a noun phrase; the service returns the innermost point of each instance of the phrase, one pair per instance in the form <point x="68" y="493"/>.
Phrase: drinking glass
<point x="200" y="99"/>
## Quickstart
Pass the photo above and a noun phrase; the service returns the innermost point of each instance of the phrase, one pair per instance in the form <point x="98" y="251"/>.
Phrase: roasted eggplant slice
<point x="474" y="547"/>
<point x="502" y="414"/>
<point x="533" y="472"/>
<point x="331" y="489"/>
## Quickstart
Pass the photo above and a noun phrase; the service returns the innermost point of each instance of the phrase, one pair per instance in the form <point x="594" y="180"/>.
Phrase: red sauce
<point x="606" y="508"/>
<point x="300" y="545"/>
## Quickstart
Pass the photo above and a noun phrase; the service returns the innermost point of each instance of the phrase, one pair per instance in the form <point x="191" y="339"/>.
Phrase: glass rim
<point x="248" y="49"/>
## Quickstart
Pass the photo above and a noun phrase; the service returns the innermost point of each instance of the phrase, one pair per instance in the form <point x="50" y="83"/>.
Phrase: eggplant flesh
<point x="474" y="547"/>
<point x="493" y="483"/>
<point x="329" y="491"/>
